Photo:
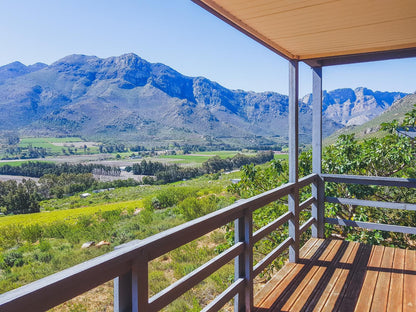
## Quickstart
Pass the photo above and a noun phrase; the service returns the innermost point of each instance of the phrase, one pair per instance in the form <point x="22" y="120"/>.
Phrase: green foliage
<point x="16" y="198"/>
<point x="192" y="207"/>
<point x="38" y="169"/>
<point x="391" y="155"/>
<point x="11" y="259"/>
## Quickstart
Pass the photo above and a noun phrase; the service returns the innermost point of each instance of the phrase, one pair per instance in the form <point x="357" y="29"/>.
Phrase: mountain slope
<point x="130" y="99"/>
<point x="370" y="129"/>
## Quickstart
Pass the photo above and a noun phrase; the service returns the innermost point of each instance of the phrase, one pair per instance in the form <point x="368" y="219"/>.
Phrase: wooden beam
<point x="317" y="120"/>
<point x="293" y="200"/>
<point x="361" y="57"/>
<point x="318" y="207"/>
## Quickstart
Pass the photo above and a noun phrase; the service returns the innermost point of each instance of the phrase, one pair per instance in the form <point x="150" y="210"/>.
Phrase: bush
<point x="192" y="207"/>
<point x="32" y="232"/>
<point x="11" y="259"/>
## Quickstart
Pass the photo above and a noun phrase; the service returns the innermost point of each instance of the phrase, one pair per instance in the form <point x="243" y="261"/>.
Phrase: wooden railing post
<point x="140" y="284"/>
<point x="318" y="188"/>
<point x="243" y="265"/>
<point x="122" y="286"/>
<point x="122" y="293"/>
<point x="293" y="200"/>
<point x="318" y="208"/>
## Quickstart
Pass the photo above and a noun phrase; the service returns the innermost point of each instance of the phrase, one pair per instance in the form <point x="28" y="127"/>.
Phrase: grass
<point x="67" y="215"/>
<point x="19" y="162"/>
<point x="281" y="156"/>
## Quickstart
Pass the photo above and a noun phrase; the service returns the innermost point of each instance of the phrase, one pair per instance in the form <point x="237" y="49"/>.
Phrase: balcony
<point x="324" y="274"/>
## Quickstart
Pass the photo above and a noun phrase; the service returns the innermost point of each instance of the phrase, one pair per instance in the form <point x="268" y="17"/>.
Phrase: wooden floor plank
<point x="263" y="293"/>
<point x="409" y="285"/>
<point x="383" y="282"/>
<point x="366" y="296"/>
<point x="283" y="288"/>
<point x="312" y="277"/>
<point x="345" y="276"/>
<point x="329" y="297"/>
<point x="395" y="301"/>
<point x="355" y="280"/>
<point x="321" y="289"/>
<point x="279" y="282"/>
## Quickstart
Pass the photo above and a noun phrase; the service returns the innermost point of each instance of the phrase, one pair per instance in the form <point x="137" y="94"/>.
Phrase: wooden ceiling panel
<point x="302" y="29"/>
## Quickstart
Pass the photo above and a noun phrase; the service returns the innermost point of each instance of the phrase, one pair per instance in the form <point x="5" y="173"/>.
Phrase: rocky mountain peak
<point x="128" y="97"/>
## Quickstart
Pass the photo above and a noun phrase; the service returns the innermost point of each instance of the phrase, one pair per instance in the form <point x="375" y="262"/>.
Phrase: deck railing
<point x="129" y="265"/>
<point x="366" y="180"/>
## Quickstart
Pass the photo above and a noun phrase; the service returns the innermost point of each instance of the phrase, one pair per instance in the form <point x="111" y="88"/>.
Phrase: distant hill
<point x="370" y="129"/>
<point x="126" y="98"/>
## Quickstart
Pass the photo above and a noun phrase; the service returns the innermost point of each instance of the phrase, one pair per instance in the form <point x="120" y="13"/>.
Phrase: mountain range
<point x="126" y="98"/>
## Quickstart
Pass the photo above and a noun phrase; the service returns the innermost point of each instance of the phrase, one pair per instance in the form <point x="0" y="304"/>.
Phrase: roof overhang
<point x="325" y="32"/>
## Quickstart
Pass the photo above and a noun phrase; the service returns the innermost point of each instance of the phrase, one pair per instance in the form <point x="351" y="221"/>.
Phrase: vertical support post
<point x="293" y="200"/>
<point x="318" y="208"/>
<point x="122" y="293"/>
<point x="140" y="284"/>
<point x="243" y="264"/>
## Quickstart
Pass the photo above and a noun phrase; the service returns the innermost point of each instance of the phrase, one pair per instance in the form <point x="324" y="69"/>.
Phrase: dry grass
<point x="99" y="299"/>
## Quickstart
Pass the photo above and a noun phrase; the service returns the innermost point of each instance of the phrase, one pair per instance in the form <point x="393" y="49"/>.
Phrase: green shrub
<point x="32" y="232"/>
<point x="12" y="258"/>
<point x="192" y="207"/>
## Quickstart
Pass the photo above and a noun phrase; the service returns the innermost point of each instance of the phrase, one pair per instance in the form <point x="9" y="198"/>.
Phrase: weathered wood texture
<point x="335" y="275"/>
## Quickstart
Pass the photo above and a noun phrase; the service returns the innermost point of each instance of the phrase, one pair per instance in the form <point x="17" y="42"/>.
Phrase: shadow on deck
<point x="336" y="275"/>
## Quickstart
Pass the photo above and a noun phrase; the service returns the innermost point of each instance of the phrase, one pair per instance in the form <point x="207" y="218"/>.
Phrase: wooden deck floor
<point x="335" y="275"/>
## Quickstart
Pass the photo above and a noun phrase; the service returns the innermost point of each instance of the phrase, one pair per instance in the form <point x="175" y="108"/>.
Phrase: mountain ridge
<point x="134" y="100"/>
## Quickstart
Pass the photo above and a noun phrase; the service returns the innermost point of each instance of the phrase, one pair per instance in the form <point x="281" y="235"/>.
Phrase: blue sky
<point x="177" y="33"/>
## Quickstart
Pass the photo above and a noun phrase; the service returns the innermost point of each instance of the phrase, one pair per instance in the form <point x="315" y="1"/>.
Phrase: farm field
<point x="15" y="163"/>
<point x="55" y="145"/>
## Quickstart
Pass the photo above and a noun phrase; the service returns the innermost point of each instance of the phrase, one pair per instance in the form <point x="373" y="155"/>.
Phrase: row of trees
<point x="39" y="169"/>
<point x="26" y="152"/>
<point x="172" y="173"/>
<point x="24" y="197"/>
<point x="216" y="163"/>
<point x="19" y="198"/>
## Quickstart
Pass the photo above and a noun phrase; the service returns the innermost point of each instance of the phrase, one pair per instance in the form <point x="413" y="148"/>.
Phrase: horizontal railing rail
<point x="371" y="180"/>
<point x="132" y="260"/>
